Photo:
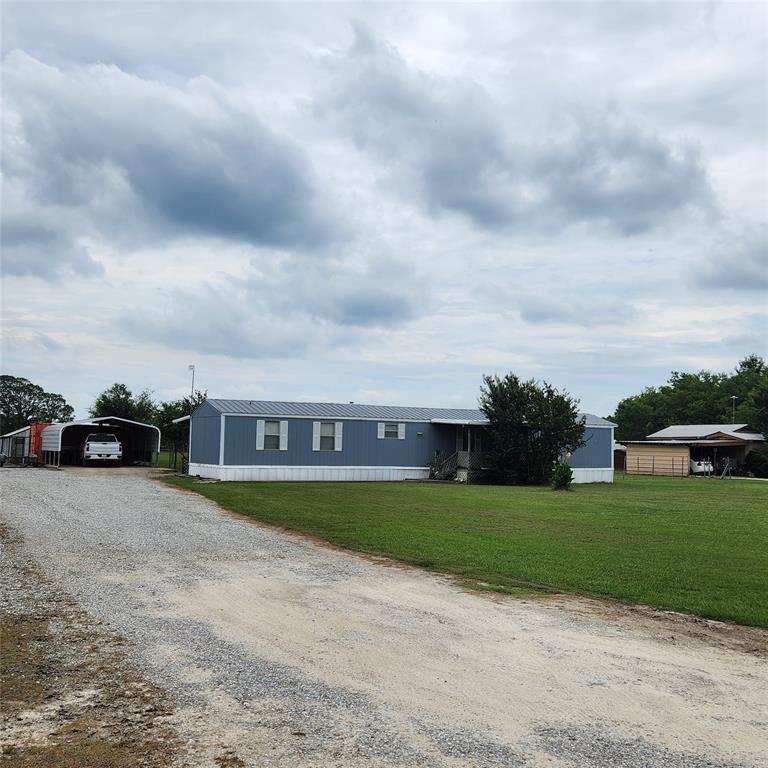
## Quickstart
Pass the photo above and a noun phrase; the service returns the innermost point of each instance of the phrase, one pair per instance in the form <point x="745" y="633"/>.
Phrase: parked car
<point x="701" y="467"/>
<point x="102" y="446"/>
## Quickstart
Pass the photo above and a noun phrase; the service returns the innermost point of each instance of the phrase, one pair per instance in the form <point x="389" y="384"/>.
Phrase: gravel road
<point x="282" y="652"/>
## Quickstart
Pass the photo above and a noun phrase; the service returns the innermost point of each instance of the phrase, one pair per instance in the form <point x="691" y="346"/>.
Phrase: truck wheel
<point x="85" y="462"/>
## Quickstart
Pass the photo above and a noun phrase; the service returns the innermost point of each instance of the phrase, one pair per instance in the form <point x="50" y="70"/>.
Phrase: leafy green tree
<point x="22" y="402"/>
<point x="119" y="401"/>
<point x="531" y="425"/>
<point x="698" y="398"/>
<point x="173" y="409"/>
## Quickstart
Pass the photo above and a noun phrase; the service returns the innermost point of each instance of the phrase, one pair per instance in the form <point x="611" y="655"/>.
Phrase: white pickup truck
<point x="101" y="446"/>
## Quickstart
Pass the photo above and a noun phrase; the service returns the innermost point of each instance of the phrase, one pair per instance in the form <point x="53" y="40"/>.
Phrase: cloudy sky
<point x="380" y="202"/>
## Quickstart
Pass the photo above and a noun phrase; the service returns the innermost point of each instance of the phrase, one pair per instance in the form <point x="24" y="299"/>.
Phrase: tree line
<point x="698" y="398"/>
<point x="22" y="403"/>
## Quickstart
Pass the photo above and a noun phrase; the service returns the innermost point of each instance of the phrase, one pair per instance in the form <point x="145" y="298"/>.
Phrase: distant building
<point x="676" y="449"/>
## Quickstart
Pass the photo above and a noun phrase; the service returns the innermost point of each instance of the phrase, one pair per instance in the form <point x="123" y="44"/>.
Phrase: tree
<point x="531" y="426"/>
<point x="22" y="402"/>
<point x="175" y="409"/>
<point x="119" y="401"/>
<point x="698" y="398"/>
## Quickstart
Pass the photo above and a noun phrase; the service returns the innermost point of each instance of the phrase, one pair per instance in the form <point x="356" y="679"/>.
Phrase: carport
<point x="62" y="444"/>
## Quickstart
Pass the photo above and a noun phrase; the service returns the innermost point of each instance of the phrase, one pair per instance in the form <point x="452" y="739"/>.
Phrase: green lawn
<point x="693" y="545"/>
<point x="165" y="459"/>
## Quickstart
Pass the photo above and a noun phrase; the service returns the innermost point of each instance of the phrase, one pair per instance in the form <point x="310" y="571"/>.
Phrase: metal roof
<point x="689" y="441"/>
<point x="360" y="411"/>
<point x="51" y="435"/>
<point x="699" y="431"/>
<point x="344" y="410"/>
<point x="15" y="432"/>
<point x="596" y="421"/>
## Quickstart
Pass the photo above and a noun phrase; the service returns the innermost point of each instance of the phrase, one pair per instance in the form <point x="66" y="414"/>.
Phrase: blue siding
<point x="598" y="451"/>
<point x="205" y="436"/>
<point x="360" y="445"/>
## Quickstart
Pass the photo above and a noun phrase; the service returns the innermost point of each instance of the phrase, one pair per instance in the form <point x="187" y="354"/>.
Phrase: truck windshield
<point x="100" y="437"/>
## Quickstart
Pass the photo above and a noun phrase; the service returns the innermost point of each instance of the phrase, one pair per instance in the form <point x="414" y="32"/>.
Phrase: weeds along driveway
<point x="288" y="653"/>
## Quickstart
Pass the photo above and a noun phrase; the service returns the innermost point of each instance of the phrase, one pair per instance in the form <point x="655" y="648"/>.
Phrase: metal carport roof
<point x="52" y="434"/>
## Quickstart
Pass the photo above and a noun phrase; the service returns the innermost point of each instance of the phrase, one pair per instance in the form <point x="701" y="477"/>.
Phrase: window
<point x="100" y="437"/>
<point x="470" y="434"/>
<point x="327" y="436"/>
<point x="272" y="435"/>
<point x="391" y="431"/>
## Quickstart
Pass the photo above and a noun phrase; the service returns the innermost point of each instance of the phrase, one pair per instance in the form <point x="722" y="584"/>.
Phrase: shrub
<point x="757" y="462"/>
<point x="562" y="477"/>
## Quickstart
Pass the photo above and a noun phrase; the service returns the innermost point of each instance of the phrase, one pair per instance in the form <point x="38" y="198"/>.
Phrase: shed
<point x="15" y="445"/>
<point x="669" y="457"/>
<point x="62" y="443"/>
<point x="23" y="444"/>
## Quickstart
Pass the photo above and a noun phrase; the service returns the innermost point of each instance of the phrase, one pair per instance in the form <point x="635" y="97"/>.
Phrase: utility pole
<point x="733" y="408"/>
<point x="192" y="393"/>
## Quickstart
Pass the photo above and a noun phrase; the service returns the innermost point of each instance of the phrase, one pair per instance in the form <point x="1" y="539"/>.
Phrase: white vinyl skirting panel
<point x="275" y="473"/>
<point x="592" y="475"/>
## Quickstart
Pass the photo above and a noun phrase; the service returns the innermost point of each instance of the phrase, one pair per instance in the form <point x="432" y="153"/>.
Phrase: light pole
<point x="189" y="432"/>
<point x="733" y="408"/>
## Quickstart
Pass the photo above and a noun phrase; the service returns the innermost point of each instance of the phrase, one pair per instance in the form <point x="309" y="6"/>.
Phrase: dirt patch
<point x="68" y="697"/>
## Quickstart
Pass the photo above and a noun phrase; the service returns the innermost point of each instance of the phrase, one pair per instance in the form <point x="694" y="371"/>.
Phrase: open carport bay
<point x="62" y="444"/>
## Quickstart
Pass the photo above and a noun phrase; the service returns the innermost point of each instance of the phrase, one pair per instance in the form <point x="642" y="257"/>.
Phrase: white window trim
<point x="261" y="433"/>
<point x="381" y="430"/>
<point x="315" y="435"/>
<point x="338" y="430"/>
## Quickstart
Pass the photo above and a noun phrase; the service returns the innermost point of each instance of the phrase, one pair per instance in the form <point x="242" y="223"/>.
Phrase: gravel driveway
<point x="283" y="652"/>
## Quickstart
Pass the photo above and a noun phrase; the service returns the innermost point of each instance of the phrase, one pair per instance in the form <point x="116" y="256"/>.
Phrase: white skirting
<point x="592" y="475"/>
<point x="303" y="474"/>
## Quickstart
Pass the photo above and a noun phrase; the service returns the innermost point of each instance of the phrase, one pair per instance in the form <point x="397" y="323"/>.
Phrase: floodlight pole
<point x="733" y="408"/>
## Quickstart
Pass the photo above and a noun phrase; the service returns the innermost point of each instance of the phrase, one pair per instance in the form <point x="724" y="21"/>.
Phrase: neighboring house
<point x="673" y="450"/>
<point x="266" y="440"/>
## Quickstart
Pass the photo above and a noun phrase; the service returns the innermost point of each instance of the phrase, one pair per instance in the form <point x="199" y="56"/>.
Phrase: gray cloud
<point x="740" y="264"/>
<point x="147" y="159"/>
<point x="462" y="151"/>
<point x="39" y="249"/>
<point x="581" y="312"/>
<point x="40" y="240"/>
<point x="281" y="307"/>
<point x="214" y="322"/>
<point x="307" y="215"/>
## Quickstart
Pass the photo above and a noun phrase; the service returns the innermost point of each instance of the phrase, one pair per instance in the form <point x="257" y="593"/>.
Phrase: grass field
<point x="693" y="545"/>
<point x="165" y="459"/>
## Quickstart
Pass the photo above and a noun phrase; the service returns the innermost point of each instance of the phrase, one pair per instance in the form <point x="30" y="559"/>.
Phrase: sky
<point x="380" y="202"/>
